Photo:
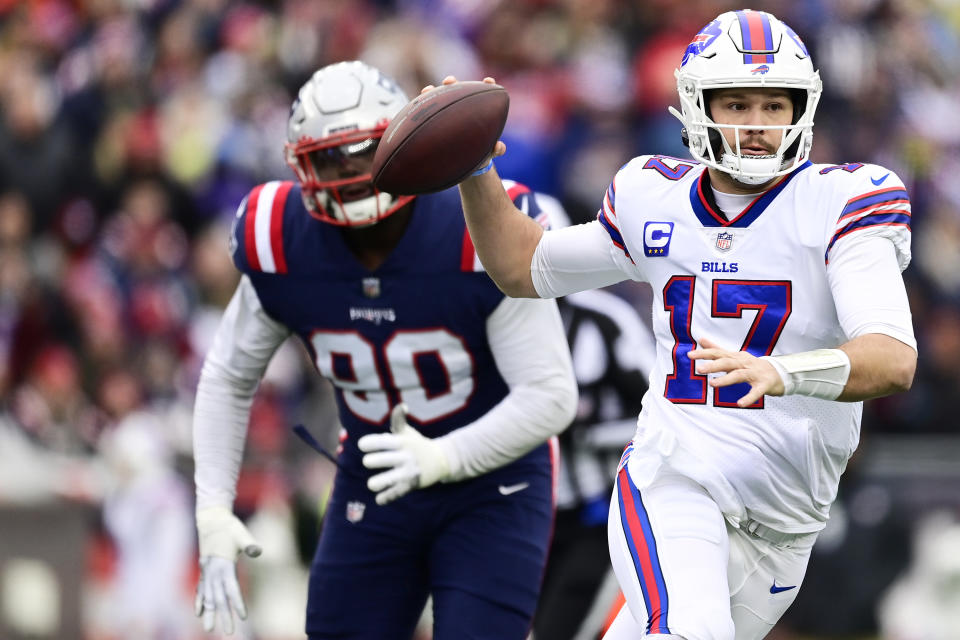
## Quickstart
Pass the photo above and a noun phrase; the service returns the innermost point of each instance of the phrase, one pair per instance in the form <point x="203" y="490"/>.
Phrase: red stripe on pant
<point x="644" y="557"/>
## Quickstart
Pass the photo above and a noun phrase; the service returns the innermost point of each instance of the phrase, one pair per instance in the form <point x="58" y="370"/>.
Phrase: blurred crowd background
<point x="131" y="129"/>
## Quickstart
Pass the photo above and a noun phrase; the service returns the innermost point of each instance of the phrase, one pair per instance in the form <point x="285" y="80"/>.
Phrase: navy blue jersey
<point x="413" y="330"/>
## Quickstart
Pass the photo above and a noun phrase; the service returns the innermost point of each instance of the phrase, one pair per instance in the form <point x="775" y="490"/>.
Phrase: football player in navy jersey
<point x="450" y="393"/>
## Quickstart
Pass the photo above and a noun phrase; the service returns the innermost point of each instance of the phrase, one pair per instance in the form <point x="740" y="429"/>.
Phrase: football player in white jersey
<point x="778" y="307"/>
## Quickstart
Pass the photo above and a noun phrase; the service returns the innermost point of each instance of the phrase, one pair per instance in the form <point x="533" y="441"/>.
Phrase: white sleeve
<point x="575" y="259"/>
<point x="864" y="276"/>
<point x="529" y="346"/>
<point x="244" y="343"/>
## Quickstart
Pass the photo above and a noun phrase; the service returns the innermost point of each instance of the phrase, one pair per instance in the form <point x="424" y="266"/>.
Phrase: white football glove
<point x="222" y="539"/>
<point x="412" y="461"/>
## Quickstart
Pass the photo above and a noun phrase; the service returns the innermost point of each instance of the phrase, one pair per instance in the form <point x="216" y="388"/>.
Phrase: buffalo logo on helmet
<point x="793" y="36"/>
<point x="701" y="41"/>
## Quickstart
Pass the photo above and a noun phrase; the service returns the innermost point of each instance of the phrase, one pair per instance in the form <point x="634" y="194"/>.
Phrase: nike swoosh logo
<point x="776" y="589"/>
<point x="506" y="490"/>
<point x="880" y="181"/>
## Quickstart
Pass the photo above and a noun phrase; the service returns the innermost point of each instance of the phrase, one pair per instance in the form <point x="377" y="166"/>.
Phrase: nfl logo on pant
<point x="724" y="241"/>
<point x="355" y="511"/>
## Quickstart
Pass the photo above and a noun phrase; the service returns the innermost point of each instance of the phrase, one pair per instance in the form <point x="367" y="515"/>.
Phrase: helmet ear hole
<point x="799" y="99"/>
<point x="716" y="142"/>
<point x="707" y="95"/>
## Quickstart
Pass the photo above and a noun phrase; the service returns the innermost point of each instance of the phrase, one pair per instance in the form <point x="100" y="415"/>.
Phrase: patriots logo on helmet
<point x="761" y="70"/>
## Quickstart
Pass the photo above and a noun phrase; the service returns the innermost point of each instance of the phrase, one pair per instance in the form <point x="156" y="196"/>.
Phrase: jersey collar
<point x="706" y="209"/>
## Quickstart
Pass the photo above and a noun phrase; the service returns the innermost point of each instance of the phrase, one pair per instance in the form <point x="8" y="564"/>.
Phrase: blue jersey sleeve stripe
<point x="878" y="219"/>
<point x="614" y="233"/>
<point x="886" y="196"/>
<point x="890" y="206"/>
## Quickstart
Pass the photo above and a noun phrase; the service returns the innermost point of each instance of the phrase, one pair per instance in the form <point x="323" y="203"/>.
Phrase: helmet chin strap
<point x="737" y="166"/>
<point x="361" y="213"/>
<point x="749" y="170"/>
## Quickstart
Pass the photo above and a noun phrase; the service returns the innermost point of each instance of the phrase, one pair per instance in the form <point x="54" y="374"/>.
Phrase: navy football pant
<point x="479" y="553"/>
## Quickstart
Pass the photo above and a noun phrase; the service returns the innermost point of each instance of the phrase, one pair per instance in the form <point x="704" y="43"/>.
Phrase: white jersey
<point x="761" y="283"/>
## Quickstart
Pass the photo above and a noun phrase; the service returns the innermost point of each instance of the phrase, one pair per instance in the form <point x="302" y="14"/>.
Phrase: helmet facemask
<point x="321" y="165"/>
<point x="718" y="59"/>
<point x="334" y="128"/>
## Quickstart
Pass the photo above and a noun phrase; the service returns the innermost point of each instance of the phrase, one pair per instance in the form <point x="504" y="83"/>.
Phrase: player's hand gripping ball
<point x="440" y="137"/>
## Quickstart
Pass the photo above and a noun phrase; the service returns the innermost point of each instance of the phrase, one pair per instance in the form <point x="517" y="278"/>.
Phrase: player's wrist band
<point x="482" y="170"/>
<point x="820" y="374"/>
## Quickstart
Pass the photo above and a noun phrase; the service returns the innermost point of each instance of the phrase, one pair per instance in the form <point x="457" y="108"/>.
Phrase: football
<point x="439" y="137"/>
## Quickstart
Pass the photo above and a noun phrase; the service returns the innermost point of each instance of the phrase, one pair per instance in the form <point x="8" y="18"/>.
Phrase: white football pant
<point x="685" y="571"/>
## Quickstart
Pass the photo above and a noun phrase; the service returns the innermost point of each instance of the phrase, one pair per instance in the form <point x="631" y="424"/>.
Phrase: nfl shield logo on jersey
<point x="724" y="241"/>
<point x="355" y="511"/>
<point x="371" y="287"/>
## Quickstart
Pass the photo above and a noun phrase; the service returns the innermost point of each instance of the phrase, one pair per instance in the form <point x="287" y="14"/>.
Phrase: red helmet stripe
<point x="756" y="35"/>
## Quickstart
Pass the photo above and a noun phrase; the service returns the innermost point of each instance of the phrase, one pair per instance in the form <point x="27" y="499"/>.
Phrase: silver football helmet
<point x="335" y="124"/>
<point x="747" y="49"/>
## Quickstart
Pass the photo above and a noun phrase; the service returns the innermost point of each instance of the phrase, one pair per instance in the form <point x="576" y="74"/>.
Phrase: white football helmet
<point x="340" y="114"/>
<point x="747" y="49"/>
